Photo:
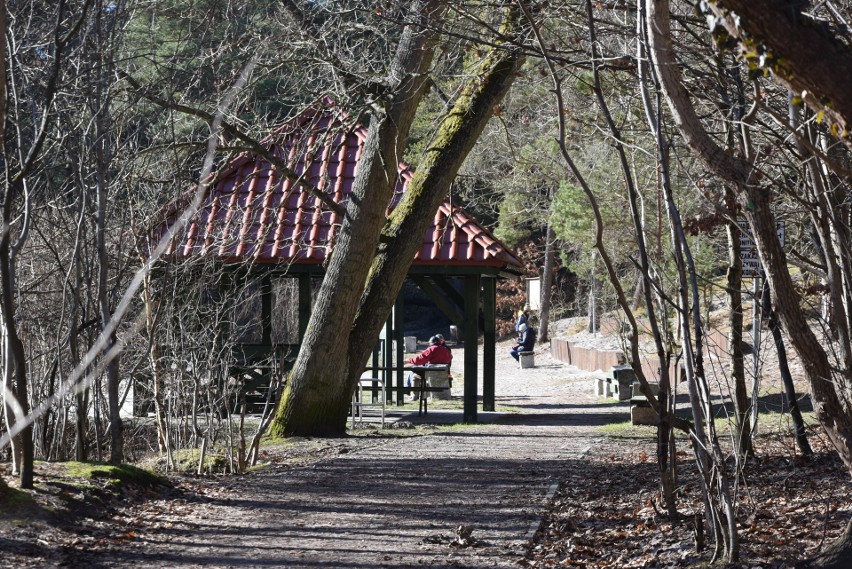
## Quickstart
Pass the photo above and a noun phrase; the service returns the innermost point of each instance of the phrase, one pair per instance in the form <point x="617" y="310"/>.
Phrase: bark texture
<point x="316" y="399"/>
<point x="401" y="238"/>
<point x="546" y="283"/>
<point x="803" y="54"/>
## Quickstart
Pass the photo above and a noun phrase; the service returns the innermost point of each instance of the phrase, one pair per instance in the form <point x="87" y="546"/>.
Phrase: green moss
<point x="116" y="473"/>
<point x="276" y="440"/>
<point x="626" y="430"/>
<point x="186" y="460"/>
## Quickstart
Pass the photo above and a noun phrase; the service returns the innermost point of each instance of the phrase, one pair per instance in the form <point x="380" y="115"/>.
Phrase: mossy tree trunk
<point x="457" y="133"/>
<point x="347" y="318"/>
<point x="315" y="401"/>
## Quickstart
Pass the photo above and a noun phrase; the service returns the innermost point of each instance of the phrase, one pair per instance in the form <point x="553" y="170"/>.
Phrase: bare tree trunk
<point x="593" y="311"/>
<point x="755" y="200"/>
<point x="155" y="357"/>
<point x="81" y="395"/>
<point x="784" y="369"/>
<point x="742" y="400"/>
<point x="547" y="282"/>
<point x="709" y="458"/>
<point x="14" y="352"/>
<point x="100" y="104"/>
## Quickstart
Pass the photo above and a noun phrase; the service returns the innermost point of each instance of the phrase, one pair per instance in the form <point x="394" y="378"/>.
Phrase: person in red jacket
<point x="436" y="353"/>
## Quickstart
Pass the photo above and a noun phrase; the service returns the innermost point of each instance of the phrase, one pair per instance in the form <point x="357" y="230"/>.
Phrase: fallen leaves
<point x="787" y="509"/>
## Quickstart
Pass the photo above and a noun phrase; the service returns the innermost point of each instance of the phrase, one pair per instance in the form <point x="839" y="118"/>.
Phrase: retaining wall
<point x="593" y="360"/>
<point x="585" y="358"/>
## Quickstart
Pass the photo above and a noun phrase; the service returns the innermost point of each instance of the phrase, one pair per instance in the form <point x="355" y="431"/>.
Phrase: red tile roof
<point x="253" y="214"/>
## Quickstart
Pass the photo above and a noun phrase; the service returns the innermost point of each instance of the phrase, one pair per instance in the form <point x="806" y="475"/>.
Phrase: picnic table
<point x="423" y="389"/>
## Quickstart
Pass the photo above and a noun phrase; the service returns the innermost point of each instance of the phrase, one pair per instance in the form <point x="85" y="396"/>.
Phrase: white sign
<point x="748" y="249"/>
<point x="534" y="293"/>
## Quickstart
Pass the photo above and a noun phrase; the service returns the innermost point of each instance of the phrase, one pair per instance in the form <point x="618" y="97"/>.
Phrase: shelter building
<point x="255" y="220"/>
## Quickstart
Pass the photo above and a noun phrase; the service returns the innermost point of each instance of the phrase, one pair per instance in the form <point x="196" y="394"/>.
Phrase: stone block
<point x="643" y="416"/>
<point x="526" y="360"/>
<point x="655" y="389"/>
<point x="438" y="379"/>
<point x="410" y="344"/>
<point x="623" y="376"/>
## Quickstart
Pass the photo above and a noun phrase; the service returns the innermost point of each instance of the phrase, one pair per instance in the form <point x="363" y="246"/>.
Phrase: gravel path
<point x="393" y="501"/>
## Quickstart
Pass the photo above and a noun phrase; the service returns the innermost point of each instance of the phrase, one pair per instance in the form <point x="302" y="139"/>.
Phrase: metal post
<point x="398" y="332"/>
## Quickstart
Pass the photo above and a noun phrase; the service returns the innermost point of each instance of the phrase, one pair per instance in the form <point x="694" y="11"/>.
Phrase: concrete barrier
<point x="438" y="379"/>
<point x="587" y="359"/>
<point x="590" y="359"/>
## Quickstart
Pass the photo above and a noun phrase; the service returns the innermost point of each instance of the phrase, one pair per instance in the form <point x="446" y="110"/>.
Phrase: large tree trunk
<point x="402" y="237"/>
<point x="316" y="399"/>
<point x="838" y="555"/>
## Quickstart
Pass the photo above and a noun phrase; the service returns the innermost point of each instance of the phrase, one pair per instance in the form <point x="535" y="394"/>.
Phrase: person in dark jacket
<point x="526" y="344"/>
<point x="523" y="318"/>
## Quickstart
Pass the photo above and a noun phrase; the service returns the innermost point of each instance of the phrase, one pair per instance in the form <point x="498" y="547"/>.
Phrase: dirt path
<point x="382" y="501"/>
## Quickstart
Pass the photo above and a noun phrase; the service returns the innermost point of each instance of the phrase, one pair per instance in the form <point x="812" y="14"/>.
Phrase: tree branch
<point x="251" y="143"/>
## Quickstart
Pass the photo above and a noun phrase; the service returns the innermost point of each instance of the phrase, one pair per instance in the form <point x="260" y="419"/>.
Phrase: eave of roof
<point x="252" y="214"/>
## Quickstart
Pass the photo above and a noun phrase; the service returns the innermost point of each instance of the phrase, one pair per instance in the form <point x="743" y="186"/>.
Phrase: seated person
<point x="523" y="318"/>
<point x="436" y="353"/>
<point x="527" y="342"/>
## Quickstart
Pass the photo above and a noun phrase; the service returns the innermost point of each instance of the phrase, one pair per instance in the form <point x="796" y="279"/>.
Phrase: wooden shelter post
<point x="489" y="343"/>
<point x="471" y="335"/>
<point x="398" y="336"/>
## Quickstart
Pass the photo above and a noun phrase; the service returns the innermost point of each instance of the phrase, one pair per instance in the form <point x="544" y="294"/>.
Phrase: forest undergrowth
<point x="789" y="507"/>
